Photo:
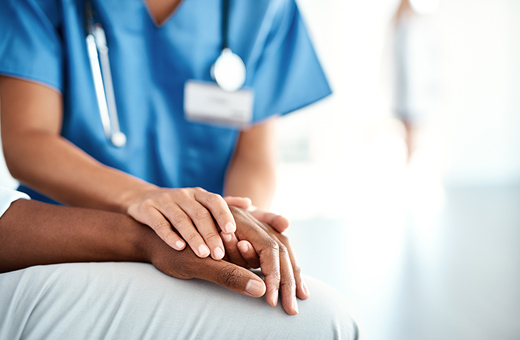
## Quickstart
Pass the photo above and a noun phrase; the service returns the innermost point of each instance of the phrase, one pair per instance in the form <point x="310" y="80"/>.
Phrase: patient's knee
<point x="325" y="315"/>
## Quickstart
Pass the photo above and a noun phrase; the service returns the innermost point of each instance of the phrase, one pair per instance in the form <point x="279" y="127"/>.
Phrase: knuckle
<point x="164" y="197"/>
<point x="288" y="284"/>
<point x="283" y="250"/>
<point x="201" y="214"/>
<point x="178" y="221"/>
<point x="222" y="214"/>
<point x="271" y="244"/>
<point x="276" y="277"/>
<point x="212" y="237"/>
<point x="183" y="192"/>
<point x="147" y="203"/>
<point x="297" y="270"/>
<point x="169" y="236"/>
<point x="192" y="237"/>
<point x="213" y="199"/>
<point x="161" y="227"/>
<point x="228" y="276"/>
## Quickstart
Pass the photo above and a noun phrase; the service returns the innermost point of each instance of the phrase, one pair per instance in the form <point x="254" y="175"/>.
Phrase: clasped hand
<point x="197" y="215"/>
<point x="259" y="245"/>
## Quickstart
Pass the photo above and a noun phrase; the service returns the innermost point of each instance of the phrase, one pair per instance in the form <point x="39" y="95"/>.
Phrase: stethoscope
<point x="229" y="71"/>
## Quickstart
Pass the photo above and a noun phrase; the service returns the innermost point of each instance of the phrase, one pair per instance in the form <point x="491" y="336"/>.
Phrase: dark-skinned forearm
<point x="34" y="233"/>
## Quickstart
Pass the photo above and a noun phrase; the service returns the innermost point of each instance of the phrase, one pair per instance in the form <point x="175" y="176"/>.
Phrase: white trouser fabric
<point x="135" y="301"/>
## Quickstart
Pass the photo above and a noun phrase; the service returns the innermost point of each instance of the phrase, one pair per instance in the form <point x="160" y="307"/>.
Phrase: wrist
<point x="133" y="195"/>
<point x="145" y="242"/>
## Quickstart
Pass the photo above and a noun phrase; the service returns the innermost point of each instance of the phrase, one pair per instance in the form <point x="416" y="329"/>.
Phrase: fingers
<point x="278" y="222"/>
<point x="153" y="218"/>
<point x="239" y="279"/>
<point x="287" y="283"/>
<point x="231" y="276"/>
<point x="204" y="237"/>
<point x="302" y="291"/>
<point x="193" y="213"/>
<point x="218" y="208"/>
<point x="267" y="249"/>
<point x="185" y="265"/>
<point x="282" y="278"/>
<point x="248" y="254"/>
<point x="232" y="252"/>
<point x="240" y="202"/>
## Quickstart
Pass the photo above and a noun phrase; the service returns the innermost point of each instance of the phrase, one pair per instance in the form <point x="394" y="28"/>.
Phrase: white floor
<point x="411" y="275"/>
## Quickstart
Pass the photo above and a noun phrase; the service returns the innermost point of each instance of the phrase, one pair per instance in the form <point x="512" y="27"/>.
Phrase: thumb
<point x="233" y="277"/>
<point x="240" y="202"/>
<point x="278" y="222"/>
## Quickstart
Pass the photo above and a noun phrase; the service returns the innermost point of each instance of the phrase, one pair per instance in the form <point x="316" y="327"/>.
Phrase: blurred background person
<point x="415" y="55"/>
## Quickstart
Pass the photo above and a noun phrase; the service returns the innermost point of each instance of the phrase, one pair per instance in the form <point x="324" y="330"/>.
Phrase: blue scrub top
<point x="44" y="41"/>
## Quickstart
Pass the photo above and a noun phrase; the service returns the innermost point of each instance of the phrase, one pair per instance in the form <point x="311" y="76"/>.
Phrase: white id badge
<point x="206" y="102"/>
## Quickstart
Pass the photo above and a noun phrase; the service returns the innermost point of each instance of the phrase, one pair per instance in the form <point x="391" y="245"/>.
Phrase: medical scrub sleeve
<point x="288" y="76"/>
<point x="29" y="46"/>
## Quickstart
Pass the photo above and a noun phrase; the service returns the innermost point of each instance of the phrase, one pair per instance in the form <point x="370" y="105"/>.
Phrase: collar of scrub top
<point x="102" y="76"/>
<point x="229" y="70"/>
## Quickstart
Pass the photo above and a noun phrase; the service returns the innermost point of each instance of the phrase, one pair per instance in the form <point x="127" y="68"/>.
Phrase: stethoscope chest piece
<point x="118" y="139"/>
<point x="229" y="71"/>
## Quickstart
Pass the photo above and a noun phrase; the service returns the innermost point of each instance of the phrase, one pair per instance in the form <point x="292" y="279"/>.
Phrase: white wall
<point x="478" y="122"/>
<point x="471" y="138"/>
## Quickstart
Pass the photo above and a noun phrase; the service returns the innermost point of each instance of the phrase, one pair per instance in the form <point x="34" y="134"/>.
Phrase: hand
<point x="196" y="214"/>
<point x="278" y="222"/>
<point x="262" y="246"/>
<point x="269" y="249"/>
<point x="186" y="265"/>
<point x="242" y="253"/>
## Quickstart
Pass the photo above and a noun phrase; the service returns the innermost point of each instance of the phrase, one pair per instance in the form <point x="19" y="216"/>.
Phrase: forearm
<point x="35" y="233"/>
<point x="39" y="157"/>
<point x="251" y="172"/>
<point x="256" y="181"/>
<point x="67" y="174"/>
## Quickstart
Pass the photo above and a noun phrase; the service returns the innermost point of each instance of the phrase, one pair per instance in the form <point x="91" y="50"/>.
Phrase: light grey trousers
<point x="135" y="301"/>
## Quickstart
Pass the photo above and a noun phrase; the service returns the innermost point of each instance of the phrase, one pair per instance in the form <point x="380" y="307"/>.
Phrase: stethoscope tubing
<point x="98" y="85"/>
<point x="102" y="76"/>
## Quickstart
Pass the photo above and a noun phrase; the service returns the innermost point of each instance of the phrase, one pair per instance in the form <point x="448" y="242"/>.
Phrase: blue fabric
<point x="44" y="41"/>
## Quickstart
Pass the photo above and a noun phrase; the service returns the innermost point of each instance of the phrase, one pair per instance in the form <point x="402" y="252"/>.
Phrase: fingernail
<point x="243" y="247"/>
<point x="219" y="253"/>
<point x="203" y="250"/>
<point x="227" y="237"/>
<point x="305" y="289"/>
<point x="254" y="288"/>
<point x="229" y="228"/>
<point x="295" y="305"/>
<point x="179" y="245"/>
<point x="274" y="299"/>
